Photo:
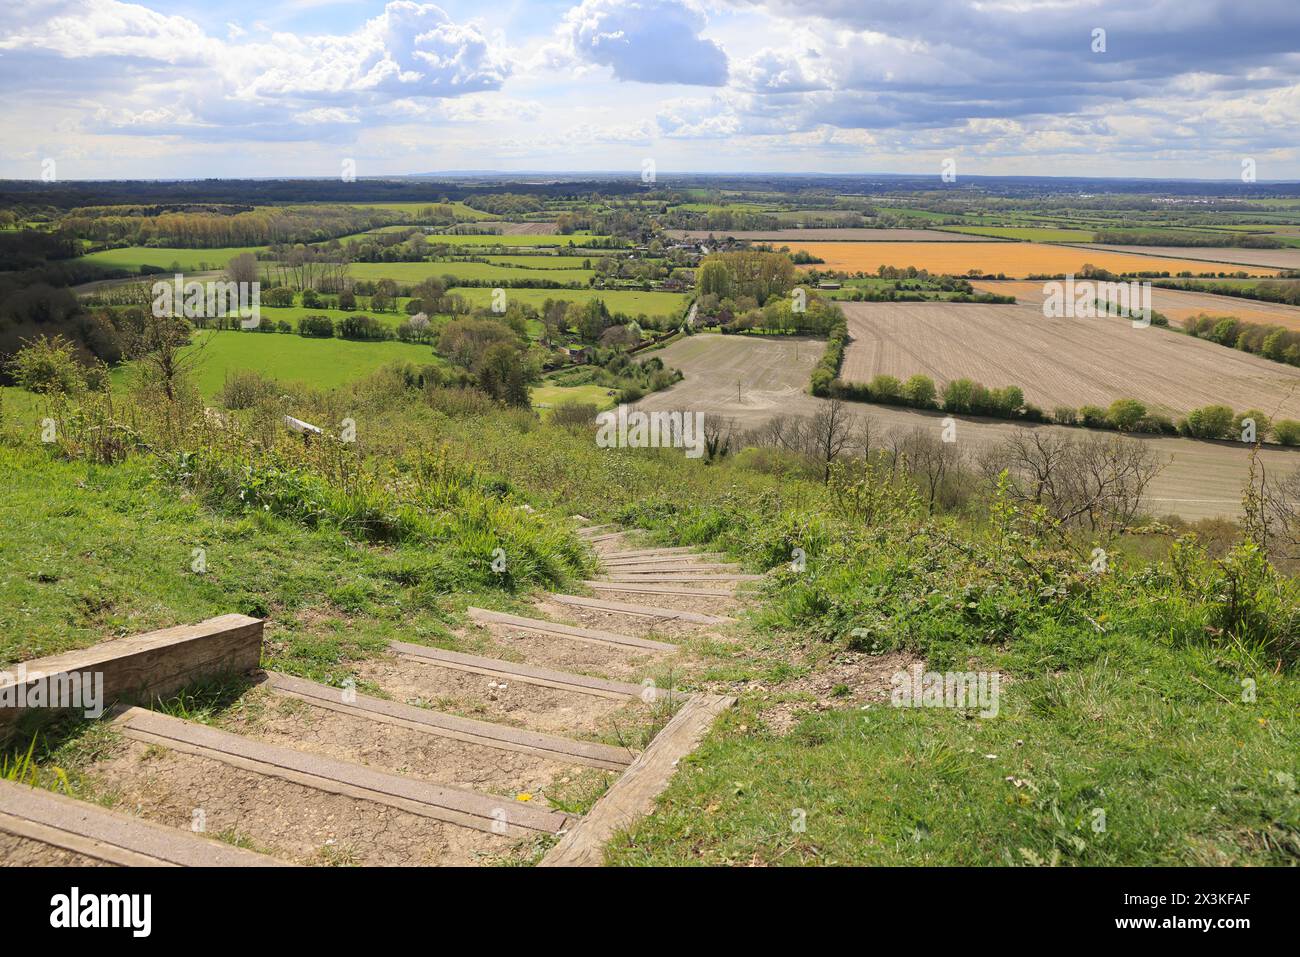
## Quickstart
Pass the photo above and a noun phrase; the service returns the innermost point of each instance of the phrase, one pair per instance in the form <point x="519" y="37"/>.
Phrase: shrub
<point x="1263" y="424"/>
<point x="316" y="327"/>
<point x="1092" y="416"/>
<point x="1287" y="431"/>
<point x="573" y="415"/>
<point x="48" y="366"/>
<point x="919" y="391"/>
<point x="1211" y="422"/>
<point x="1125" y="414"/>
<point x="886" y="388"/>
<point x="1064" y="415"/>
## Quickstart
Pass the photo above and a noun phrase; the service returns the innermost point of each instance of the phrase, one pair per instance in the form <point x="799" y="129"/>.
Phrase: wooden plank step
<point x="667" y="577"/>
<point x="609" y="536"/>
<point x="586" y="530"/>
<point x="483" y="812"/>
<point x="540" y="626"/>
<point x="140" y="667"/>
<point x="531" y="674"/>
<point x="683" y="559"/>
<point x="675" y="568"/>
<point x="641" y="552"/>
<point x="111" y="836"/>
<point x="636" y="588"/>
<point x="471" y="730"/>
<point x="645" y="611"/>
<point x="633" y="795"/>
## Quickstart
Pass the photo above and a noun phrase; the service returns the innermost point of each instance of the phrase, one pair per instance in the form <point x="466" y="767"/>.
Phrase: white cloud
<point x="650" y="41"/>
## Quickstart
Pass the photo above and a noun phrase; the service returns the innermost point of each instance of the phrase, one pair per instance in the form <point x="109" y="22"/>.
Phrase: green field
<point x="548" y="396"/>
<point x="530" y="239"/>
<point x="542" y="261"/>
<point x="626" y="301"/>
<point x="1030" y="234"/>
<point x="190" y="260"/>
<point x="320" y="363"/>
<point x="416" y="272"/>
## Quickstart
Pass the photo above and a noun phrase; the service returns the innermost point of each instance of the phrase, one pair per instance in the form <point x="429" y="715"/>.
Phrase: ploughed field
<point x="1016" y="260"/>
<point x="1252" y="258"/>
<point x="1061" y="361"/>
<point x="756" y="379"/>
<point x="1177" y="304"/>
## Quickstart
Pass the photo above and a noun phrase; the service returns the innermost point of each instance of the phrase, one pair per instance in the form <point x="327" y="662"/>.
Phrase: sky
<point x="95" y="89"/>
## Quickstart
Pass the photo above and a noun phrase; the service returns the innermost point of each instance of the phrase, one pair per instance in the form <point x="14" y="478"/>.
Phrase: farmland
<point x="1015" y="260"/>
<point x="190" y="260"/>
<point x="473" y="271"/>
<point x="1246" y="259"/>
<point x="1061" y="362"/>
<point x="316" y="363"/>
<point x="629" y="301"/>
<point x="1200" y="479"/>
<point x="1175" y="304"/>
<point x="847" y="235"/>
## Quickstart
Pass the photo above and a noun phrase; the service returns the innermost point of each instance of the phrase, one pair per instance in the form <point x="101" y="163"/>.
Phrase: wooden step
<point x="667" y="577"/>
<point x="636" y="588"/>
<point x="675" y="568"/>
<point x="539" y="626"/>
<point x="633" y="795"/>
<point x="531" y="674"/>
<point x="111" y="836"/>
<point x="471" y="730"/>
<point x="141" y="667"/>
<point x="643" y="552"/>
<point x="606" y="537"/>
<point x="587" y="530"/>
<point x="638" y="560"/>
<point x="483" y="812"/>
<point x="645" y="611"/>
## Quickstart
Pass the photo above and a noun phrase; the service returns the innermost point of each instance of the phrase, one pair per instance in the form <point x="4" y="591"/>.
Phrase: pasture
<point x="472" y="271"/>
<point x="827" y="234"/>
<point x="1062" y="362"/>
<point x="1016" y="260"/>
<point x="164" y="257"/>
<point x="1031" y="234"/>
<point x="632" y="302"/>
<point x="319" y="363"/>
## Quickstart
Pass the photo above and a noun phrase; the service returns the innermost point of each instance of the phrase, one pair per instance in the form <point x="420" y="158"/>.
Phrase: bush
<point x="919" y="391"/>
<point x="366" y="328"/>
<point x="1287" y="431"/>
<point x="48" y="366"/>
<point x="1125" y="414"/>
<point x="1092" y="416"/>
<point x="1064" y="415"/>
<point x="1263" y="424"/>
<point x="316" y="327"/>
<point x="886" y="388"/>
<point x="1211" y="422"/>
<point x="574" y="416"/>
<point x="245" y="388"/>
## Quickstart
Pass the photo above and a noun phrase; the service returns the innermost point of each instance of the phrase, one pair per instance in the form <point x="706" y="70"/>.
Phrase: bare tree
<point x="719" y="436"/>
<point x="931" y="462"/>
<point x="831" y="431"/>
<point x="1097" y="483"/>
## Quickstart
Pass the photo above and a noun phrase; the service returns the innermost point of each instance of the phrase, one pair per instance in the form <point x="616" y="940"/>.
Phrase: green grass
<point x="319" y="363"/>
<point x="1030" y="234"/>
<point x="548" y="396"/>
<point x="417" y="272"/>
<point x="190" y="260"/>
<point x="630" y="302"/>
<point x="527" y="239"/>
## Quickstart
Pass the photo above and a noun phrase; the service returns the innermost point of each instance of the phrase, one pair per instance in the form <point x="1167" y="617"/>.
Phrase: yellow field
<point x="1016" y="260"/>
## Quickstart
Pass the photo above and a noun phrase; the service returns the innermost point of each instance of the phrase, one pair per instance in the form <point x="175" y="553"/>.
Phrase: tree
<point x="1124" y="414"/>
<point x="47" y="366"/>
<point x="162" y="346"/>
<point x="242" y="268"/>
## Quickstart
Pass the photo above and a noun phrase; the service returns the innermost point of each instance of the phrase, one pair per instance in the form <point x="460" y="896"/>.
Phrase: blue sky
<point x="177" y="88"/>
